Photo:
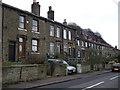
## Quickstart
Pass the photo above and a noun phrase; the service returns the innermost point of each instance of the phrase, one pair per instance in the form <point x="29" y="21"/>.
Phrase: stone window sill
<point x="21" y="29"/>
<point x="36" y="32"/>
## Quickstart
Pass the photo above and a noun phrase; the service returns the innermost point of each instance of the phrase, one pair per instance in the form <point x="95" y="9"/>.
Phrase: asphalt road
<point x="109" y="80"/>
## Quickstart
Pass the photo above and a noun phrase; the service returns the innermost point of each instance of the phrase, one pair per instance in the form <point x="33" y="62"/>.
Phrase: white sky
<point x="98" y="15"/>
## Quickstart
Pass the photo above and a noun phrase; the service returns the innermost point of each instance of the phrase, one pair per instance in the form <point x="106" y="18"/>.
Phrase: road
<point x="106" y="80"/>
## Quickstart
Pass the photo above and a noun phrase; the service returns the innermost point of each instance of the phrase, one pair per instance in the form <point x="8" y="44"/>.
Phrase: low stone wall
<point x="24" y="73"/>
<point x="10" y="74"/>
<point x="81" y="68"/>
<point x="108" y="66"/>
<point x="98" y="67"/>
<point x="56" y="69"/>
<point x="13" y="74"/>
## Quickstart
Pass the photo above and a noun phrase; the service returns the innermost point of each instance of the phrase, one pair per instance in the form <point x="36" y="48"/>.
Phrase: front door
<point x="12" y="47"/>
<point x="21" y="50"/>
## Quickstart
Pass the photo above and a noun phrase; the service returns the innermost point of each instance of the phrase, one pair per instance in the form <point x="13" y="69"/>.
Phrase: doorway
<point x="12" y="46"/>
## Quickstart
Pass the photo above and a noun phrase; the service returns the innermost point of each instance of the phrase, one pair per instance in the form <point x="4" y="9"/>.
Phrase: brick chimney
<point x="50" y="13"/>
<point x="65" y="22"/>
<point x="35" y="8"/>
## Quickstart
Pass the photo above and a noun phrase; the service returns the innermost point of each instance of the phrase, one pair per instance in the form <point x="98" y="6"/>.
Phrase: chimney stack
<point x="115" y="47"/>
<point x="50" y="13"/>
<point x="35" y="8"/>
<point x="65" y="22"/>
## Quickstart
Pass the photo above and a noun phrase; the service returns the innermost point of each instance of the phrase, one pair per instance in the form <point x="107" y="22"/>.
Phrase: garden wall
<point x="56" y="69"/>
<point x="81" y="68"/>
<point x="14" y="74"/>
<point x="108" y="66"/>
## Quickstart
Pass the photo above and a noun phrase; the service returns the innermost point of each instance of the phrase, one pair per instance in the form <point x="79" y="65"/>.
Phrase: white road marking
<point x="114" y="78"/>
<point x="93" y="85"/>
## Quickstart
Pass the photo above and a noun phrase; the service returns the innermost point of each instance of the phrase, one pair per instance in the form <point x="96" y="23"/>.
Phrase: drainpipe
<point x="1" y="24"/>
<point x="1" y="30"/>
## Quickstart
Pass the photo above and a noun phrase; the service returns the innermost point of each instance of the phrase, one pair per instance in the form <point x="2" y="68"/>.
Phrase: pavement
<point x="53" y="80"/>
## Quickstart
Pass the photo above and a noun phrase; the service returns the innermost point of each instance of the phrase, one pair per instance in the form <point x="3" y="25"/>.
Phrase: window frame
<point x="52" y="30"/>
<point x="69" y="35"/>
<point x="78" y="42"/>
<point x="86" y="44"/>
<point x="58" y="48"/>
<point x="52" y="48"/>
<point x="65" y="48"/>
<point x="22" y="22"/>
<point x="64" y="33"/>
<point x="58" y="33"/>
<point x="82" y="43"/>
<point x="79" y="53"/>
<point x="35" y="26"/>
<point x="33" y="45"/>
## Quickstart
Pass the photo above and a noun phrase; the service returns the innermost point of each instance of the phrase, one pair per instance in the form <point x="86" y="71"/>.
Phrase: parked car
<point x="71" y="69"/>
<point x="116" y="67"/>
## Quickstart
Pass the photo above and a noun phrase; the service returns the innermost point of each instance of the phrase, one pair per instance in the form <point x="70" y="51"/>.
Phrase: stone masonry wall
<point x="24" y="73"/>
<point x="13" y="74"/>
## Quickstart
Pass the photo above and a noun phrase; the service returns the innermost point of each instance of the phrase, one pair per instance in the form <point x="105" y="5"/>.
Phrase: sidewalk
<point x="53" y="80"/>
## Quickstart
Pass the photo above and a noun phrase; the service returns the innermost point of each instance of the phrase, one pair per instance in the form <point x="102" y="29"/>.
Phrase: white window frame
<point x="52" y="48"/>
<point x="58" y="32"/>
<point x="82" y="44"/>
<point x="86" y="44"/>
<point x="22" y="22"/>
<point x="65" y="48"/>
<point x="69" y="35"/>
<point x="52" y="31"/>
<point x="34" y="45"/>
<point x="58" y="48"/>
<point x="78" y="42"/>
<point x="79" y="53"/>
<point x="92" y="45"/>
<point x="89" y="44"/>
<point x="34" y="25"/>
<point x="65" y="34"/>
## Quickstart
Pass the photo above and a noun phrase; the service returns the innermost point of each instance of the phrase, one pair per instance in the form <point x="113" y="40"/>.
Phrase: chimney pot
<point x="65" y="22"/>
<point x="50" y="8"/>
<point x="34" y="0"/>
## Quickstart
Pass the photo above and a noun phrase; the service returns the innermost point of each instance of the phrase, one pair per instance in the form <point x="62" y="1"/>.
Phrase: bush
<point x="35" y="59"/>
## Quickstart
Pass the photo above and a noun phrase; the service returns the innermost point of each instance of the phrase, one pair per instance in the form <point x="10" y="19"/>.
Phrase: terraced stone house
<point x="29" y="36"/>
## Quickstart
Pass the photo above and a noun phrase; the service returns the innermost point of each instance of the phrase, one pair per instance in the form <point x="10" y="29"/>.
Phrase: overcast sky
<point x="98" y="15"/>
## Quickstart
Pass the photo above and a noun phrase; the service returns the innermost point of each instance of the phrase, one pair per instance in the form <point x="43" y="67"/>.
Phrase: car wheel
<point x="70" y="72"/>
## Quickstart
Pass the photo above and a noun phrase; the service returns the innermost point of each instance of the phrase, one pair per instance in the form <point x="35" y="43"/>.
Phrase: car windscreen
<point x="116" y="64"/>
